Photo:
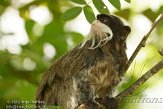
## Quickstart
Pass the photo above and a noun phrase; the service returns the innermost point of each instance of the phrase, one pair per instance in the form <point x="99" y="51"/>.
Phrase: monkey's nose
<point x="95" y="21"/>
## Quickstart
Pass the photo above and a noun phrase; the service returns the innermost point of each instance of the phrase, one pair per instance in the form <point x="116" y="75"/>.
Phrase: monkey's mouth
<point x="100" y="34"/>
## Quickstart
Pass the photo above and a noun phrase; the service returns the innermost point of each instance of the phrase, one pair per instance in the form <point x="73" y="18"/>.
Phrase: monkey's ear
<point x="126" y="30"/>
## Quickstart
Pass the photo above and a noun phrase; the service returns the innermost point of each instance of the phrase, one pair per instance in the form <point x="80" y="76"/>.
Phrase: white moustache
<point x="100" y="32"/>
<point x="98" y="28"/>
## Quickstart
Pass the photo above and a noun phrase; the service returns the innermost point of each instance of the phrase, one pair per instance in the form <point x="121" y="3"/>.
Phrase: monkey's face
<point x="114" y="23"/>
<point x="106" y="28"/>
<point x="119" y="30"/>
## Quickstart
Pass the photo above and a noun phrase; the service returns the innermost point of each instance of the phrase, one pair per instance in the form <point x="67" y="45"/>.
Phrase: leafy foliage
<point x="116" y="3"/>
<point x="79" y="1"/>
<point x="100" y="6"/>
<point x="128" y="1"/>
<point x="89" y="13"/>
<point x="71" y="13"/>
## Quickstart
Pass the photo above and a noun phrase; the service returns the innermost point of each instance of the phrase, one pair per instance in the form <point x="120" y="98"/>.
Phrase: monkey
<point x="90" y="70"/>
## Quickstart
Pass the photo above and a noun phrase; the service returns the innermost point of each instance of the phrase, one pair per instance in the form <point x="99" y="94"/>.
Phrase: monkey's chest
<point x="103" y="78"/>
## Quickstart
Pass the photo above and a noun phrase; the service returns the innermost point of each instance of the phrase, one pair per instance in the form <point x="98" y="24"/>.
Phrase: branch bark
<point x="143" y="41"/>
<point x="155" y="69"/>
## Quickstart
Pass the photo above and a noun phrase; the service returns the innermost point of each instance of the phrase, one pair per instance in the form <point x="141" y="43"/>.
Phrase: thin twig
<point x="140" y="81"/>
<point x="149" y="73"/>
<point x="143" y="41"/>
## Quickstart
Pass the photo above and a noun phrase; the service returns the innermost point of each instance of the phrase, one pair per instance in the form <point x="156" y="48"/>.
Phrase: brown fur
<point x="83" y="74"/>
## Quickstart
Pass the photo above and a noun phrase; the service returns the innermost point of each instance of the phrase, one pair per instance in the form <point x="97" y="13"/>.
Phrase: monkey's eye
<point x="103" y="20"/>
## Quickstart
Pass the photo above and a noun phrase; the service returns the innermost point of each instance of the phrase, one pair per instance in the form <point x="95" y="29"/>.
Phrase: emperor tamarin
<point x="91" y="70"/>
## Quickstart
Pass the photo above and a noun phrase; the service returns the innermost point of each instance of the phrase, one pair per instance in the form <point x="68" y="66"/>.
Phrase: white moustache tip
<point x="109" y="31"/>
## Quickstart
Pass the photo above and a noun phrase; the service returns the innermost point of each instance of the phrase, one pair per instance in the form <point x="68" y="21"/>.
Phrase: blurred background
<point x="33" y="36"/>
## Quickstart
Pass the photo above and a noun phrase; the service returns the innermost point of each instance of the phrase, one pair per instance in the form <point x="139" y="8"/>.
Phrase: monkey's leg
<point x="83" y="93"/>
<point x="108" y="102"/>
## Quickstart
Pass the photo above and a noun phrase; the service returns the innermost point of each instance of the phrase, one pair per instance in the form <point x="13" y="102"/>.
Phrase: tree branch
<point x="155" y="69"/>
<point x="140" y="81"/>
<point x="143" y="41"/>
<point x="149" y="73"/>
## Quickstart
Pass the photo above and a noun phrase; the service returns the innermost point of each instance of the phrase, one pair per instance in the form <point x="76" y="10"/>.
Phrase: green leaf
<point x="150" y="14"/>
<point x="4" y="3"/>
<point x="100" y="6"/>
<point x="129" y="1"/>
<point x="57" y="38"/>
<point x="76" y="37"/>
<point x="125" y="13"/>
<point x="79" y="1"/>
<point x="116" y="3"/>
<point x="89" y="14"/>
<point x="71" y="13"/>
<point x="29" y="24"/>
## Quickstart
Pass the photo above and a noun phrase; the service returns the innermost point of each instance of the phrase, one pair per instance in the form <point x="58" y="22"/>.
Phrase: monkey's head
<point x="106" y="28"/>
